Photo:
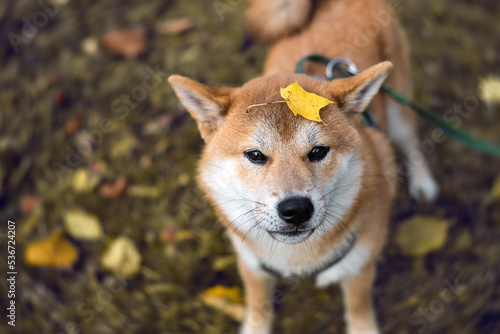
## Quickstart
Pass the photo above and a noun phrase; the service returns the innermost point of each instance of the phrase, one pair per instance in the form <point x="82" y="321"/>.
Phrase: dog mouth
<point x="291" y="237"/>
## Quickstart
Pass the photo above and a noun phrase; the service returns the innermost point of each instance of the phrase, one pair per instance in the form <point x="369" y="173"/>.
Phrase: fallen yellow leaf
<point x="224" y="262"/>
<point x="82" y="225"/>
<point x="304" y="103"/>
<point x="84" y="180"/>
<point x="144" y="191"/>
<point x="489" y="89"/>
<point x="420" y="235"/>
<point x="230" y="295"/>
<point x="123" y="257"/>
<point x="184" y="235"/>
<point x="226" y="299"/>
<point x="55" y="251"/>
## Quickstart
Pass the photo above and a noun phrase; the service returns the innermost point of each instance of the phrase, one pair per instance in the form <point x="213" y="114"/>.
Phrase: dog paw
<point x="248" y="330"/>
<point x="422" y="185"/>
<point x="374" y="331"/>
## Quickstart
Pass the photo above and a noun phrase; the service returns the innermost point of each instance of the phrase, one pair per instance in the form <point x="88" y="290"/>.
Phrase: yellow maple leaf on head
<point x="303" y="103"/>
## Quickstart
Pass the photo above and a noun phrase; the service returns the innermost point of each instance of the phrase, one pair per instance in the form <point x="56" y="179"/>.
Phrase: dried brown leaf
<point x="114" y="190"/>
<point x="73" y="125"/>
<point x="175" y="26"/>
<point x="128" y="43"/>
<point x="29" y="202"/>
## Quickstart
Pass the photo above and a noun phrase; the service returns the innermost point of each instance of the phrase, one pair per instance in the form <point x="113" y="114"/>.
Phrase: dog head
<point x="270" y="173"/>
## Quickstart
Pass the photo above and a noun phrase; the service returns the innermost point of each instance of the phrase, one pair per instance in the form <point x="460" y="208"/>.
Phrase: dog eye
<point x="256" y="156"/>
<point x="318" y="153"/>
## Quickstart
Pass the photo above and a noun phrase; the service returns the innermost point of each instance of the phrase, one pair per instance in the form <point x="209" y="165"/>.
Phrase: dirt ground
<point x="54" y="76"/>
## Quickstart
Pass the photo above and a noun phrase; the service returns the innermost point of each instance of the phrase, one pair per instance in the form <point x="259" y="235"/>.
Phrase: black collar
<point x="337" y="256"/>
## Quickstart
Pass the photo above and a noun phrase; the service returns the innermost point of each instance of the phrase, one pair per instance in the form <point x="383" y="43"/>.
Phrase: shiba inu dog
<point x="300" y="198"/>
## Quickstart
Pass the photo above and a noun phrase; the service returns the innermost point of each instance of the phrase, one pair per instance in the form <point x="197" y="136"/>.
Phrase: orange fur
<point x="367" y="32"/>
<point x="356" y="176"/>
<point x="270" y="20"/>
<point x="231" y="134"/>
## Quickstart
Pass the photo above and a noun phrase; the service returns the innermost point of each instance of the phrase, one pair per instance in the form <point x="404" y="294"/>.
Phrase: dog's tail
<point x="269" y="20"/>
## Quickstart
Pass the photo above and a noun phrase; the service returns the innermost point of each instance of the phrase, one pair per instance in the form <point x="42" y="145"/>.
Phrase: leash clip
<point x="351" y="67"/>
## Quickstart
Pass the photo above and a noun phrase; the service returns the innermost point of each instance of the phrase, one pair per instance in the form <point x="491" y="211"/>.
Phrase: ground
<point x="49" y="78"/>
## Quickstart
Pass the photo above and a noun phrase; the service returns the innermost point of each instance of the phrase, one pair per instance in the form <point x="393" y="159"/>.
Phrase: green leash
<point x="459" y="135"/>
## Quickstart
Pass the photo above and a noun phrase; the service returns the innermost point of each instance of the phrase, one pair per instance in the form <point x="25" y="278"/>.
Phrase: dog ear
<point x="206" y="105"/>
<point x="355" y="93"/>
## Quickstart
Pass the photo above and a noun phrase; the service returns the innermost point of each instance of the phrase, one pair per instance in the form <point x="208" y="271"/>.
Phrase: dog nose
<point x="296" y="210"/>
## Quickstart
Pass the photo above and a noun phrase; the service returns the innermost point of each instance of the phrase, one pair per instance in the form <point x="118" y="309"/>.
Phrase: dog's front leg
<point x="359" y="314"/>
<point x="259" y="287"/>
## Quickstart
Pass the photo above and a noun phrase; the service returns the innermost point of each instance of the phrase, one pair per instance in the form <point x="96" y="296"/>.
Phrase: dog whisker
<point x="236" y="219"/>
<point x="309" y="247"/>
<point x="250" y="230"/>
<point x="243" y="199"/>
